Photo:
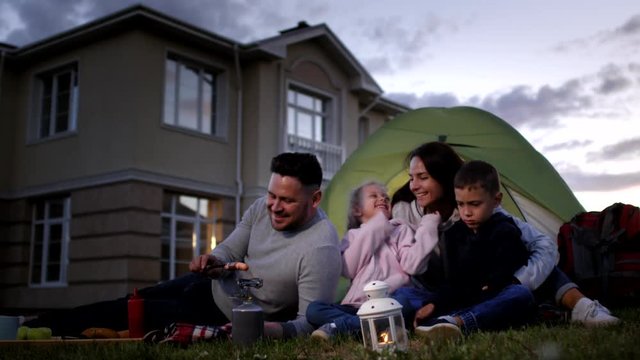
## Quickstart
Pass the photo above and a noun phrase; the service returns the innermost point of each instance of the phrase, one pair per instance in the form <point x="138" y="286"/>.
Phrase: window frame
<point x="218" y="104"/>
<point x="47" y="222"/>
<point x="197" y="237"/>
<point x="54" y="74"/>
<point x="330" y="152"/>
<point x="327" y="113"/>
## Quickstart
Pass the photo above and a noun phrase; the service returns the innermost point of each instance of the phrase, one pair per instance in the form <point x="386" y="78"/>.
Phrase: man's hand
<point x="423" y="313"/>
<point x="213" y="267"/>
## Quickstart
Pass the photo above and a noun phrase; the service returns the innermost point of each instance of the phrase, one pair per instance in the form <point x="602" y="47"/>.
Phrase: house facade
<point x="133" y="143"/>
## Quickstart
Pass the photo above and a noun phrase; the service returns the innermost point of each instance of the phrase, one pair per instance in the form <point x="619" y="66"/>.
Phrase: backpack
<point x="600" y="251"/>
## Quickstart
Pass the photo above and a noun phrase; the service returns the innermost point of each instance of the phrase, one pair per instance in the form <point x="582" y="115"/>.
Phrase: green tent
<point x="532" y="188"/>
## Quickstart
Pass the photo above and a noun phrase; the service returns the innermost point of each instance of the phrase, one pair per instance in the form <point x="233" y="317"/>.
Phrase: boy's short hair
<point x="302" y="166"/>
<point x="478" y="172"/>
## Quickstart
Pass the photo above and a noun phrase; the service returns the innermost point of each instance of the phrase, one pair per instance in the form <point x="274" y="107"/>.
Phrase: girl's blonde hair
<point x="353" y="221"/>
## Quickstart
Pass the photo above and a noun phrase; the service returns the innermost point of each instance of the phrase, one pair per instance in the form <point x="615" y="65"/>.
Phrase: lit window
<point x="57" y="101"/>
<point x="190" y="97"/>
<point x="187" y="231"/>
<point x="50" y="242"/>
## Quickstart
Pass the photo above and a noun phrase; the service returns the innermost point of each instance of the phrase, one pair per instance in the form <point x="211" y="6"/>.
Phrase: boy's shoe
<point x="439" y="330"/>
<point x="325" y="332"/>
<point x="552" y="314"/>
<point x="592" y="313"/>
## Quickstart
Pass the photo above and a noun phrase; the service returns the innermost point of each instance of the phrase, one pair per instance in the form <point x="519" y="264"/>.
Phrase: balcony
<point x="329" y="155"/>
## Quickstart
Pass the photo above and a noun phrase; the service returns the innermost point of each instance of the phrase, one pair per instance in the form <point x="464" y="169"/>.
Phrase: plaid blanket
<point x="186" y="334"/>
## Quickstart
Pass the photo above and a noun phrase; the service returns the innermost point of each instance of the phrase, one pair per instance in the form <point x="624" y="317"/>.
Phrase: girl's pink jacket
<point x="387" y="250"/>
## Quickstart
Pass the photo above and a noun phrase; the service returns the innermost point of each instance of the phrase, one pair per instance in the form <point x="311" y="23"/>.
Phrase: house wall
<point x="9" y="88"/>
<point x="115" y="227"/>
<point x="121" y="83"/>
<point x="123" y="160"/>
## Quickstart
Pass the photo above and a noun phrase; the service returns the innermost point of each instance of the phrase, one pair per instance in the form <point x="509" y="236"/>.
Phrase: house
<point x="133" y="143"/>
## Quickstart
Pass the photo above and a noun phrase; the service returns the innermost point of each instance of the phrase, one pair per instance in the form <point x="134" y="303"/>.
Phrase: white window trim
<point x="196" y="221"/>
<point x="221" y="106"/>
<point x="64" y="250"/>
<point x="332" y="143"/>
<point x="38" y="94"/>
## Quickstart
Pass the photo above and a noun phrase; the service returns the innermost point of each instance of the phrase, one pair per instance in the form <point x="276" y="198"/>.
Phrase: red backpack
<point x="600" y="251"/>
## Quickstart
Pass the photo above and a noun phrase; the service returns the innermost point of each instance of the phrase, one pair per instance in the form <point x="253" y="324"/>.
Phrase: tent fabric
<point x="533" y="190"/>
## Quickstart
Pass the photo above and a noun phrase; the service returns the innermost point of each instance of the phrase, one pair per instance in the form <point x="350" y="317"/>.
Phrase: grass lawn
<point x="560" y="341"/>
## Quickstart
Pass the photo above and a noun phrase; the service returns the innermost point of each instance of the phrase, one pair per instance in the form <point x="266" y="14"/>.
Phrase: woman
<point x="432" y="167"/>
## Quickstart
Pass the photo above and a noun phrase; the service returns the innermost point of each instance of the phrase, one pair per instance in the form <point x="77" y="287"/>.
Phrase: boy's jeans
<point x="513" y="306"/>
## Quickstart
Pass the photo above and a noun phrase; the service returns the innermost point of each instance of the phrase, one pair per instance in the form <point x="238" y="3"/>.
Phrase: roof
<point x="143" y="17"/>
<point x="323" y="35"/>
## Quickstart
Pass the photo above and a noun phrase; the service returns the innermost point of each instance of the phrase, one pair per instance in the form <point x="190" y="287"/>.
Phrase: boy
<point x="479" y="254"/>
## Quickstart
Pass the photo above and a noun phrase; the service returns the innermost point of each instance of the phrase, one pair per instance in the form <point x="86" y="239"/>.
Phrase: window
<point x="191" y="97"/>
<point x="363" y="130"/>
<point x="50" y="242"/>
<point x="187" y="231"/>
<point x="310" y="128"/>
<point x="306" y="116"/>
<point x="57" y="101"/>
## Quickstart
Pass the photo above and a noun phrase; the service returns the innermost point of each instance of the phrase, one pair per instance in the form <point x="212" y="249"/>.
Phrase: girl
<point x="374" y="248"/>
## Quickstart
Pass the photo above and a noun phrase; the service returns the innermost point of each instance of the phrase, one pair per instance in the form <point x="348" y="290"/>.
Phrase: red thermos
<point x="136" y="315"/>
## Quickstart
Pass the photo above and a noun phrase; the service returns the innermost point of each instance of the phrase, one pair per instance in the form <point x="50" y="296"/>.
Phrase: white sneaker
<point x="439" y="332"/>
<point x="325" y="332"/>
<point x="592" y="313"/>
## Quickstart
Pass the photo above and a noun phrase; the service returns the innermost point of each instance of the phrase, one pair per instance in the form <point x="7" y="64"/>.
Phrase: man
<point x="286" y="240"/>
<point x="283" y="238"/>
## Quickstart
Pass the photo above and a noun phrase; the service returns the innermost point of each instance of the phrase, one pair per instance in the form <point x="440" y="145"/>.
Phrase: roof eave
<point x="277" y="45"/>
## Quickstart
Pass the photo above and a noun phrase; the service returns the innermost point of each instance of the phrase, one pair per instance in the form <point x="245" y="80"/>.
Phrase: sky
<point x="565" y="74"/>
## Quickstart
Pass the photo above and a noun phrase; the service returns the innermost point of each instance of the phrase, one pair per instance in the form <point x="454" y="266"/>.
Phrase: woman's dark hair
<point x="403" y="194"/>
<point x="442" y="163"/>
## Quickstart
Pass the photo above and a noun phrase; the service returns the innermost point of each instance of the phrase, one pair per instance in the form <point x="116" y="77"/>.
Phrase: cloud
<point x="41" y="19"/>
<point x="520" y="105"/>
<point x="404" y="43"/>
<point x="544" y="107"/>
<point x="624" y="150"/>
<point x="626" y="33"/>
<point x="426" y="99"/>
<point x="581" y="181"/>
<point x="630" y="28"/>
<point x="612" y="79"/>
<point x="241" y="20"/>
<point x="569" y="145"/>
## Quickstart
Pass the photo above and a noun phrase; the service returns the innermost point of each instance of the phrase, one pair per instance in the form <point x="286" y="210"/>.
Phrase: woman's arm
<point x="543" y="254"/>
<point x="414" y="249"/>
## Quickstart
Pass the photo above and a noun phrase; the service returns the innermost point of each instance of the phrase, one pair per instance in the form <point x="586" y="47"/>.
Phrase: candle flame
<point x="384" y="337"/>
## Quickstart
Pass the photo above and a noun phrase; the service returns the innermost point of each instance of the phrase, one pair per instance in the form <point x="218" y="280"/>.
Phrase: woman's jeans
<point x="512" y="306"/>
<point x="554" y="286"/>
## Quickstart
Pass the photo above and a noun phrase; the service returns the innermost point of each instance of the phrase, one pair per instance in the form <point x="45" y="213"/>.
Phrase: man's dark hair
<point x="303" y="166"/>
<point x="478" y="172"/>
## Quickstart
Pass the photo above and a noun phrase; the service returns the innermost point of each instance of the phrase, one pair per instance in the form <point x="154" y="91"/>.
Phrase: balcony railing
<point x="329" y="155"/>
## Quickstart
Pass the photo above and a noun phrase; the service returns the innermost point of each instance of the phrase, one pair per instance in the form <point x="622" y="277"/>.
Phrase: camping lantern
<point x="381" y="320"/>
